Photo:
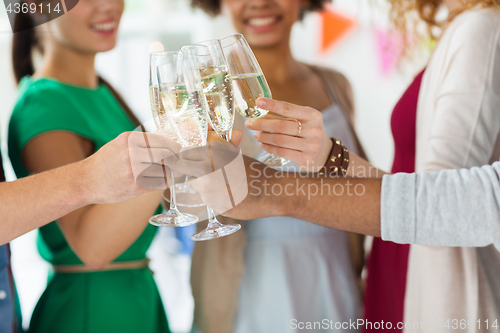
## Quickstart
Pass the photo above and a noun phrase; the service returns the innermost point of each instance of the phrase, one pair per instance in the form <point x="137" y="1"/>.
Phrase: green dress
<point x="124" y="301"/>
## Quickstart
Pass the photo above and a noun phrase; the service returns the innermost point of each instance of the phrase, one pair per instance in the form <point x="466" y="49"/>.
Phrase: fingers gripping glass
<point x="212" y="70"/>
<point x="249" y="84"/>
<point x="165" y="64"/>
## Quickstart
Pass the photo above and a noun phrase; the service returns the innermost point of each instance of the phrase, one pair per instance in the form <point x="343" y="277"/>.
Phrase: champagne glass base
<point x="173" y="219"/>
<point x="217" y="232"/>
<point x="273" y="161"/>
<point x="183" y="188"/>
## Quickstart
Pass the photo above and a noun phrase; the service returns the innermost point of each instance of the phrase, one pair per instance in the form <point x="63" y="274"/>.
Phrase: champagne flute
<point x="216" y="83"/>
<point x="212" y="69"/>
<point x="173" y="217"/>
<point x="184" y="196"/>
<point x="249" y="84"/>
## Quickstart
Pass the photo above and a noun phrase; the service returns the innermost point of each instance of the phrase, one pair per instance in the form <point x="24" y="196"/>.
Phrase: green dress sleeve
<point x="42" y="108"/>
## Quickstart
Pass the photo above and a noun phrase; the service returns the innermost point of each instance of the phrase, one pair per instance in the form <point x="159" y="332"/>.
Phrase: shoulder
<point x="40" y="96"/>
<point x="341" y="86"/>
<point x="475" y="26"/>
<point x="42" y="106"/>
<point x="332" y="75"/>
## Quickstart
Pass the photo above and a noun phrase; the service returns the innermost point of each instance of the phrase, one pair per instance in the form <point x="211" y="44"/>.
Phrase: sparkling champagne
<point x="217" y="87"/>
<point x="187" y="112"/>
<point x="247" y="89"/>
<point x="163" y="125"/>
<point x="157" y="108"/>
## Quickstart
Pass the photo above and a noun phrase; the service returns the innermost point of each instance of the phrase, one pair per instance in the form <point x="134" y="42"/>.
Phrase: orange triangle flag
<point x="334" y="26"/>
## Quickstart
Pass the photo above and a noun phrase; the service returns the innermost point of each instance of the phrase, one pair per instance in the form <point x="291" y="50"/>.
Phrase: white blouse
<point x="458" y="126"/>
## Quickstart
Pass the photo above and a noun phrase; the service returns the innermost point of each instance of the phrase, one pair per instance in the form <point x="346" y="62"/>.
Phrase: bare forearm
<point x="360" y="168"/>
<point x="348" y="204"/>
<point x="34" y="201"/>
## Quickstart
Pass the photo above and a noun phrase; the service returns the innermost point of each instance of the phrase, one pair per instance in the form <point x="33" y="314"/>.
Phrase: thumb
<point x="236" y="137"/>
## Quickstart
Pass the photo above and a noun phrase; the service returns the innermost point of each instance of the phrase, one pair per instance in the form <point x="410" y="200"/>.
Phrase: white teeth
<point x="103" y="26"/>
<point x="262" y="21"/>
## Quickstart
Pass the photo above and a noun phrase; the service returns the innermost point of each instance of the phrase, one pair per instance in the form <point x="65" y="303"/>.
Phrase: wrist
<point x="326" y="150"/>
<point x="79" y="182"/>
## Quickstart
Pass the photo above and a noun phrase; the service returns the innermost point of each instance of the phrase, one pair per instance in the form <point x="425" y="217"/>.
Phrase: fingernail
<point x="261" y="102"/>
<point x="249" y="123"/>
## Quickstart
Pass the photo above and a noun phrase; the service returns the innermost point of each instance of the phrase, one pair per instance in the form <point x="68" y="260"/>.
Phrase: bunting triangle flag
<point x="334" y="26"/>
<point x="390" y="49"/>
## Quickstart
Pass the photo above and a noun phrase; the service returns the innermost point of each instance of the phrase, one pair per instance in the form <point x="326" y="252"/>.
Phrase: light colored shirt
<point x="446" y="208"/>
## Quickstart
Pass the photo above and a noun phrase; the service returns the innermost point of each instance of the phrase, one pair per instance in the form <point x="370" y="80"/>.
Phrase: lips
<point x="104" y="27"/>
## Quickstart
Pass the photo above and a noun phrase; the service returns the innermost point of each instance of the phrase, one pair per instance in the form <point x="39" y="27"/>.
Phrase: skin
<point x="288" y="79"/>
<point x="98" y="234"/>
<point x="278" y="136"/>
<point x="106" y="177"/>
<point x="276" y="193"/>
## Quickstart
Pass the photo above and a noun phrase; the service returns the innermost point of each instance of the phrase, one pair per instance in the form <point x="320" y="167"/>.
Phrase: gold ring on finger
<point x="300" y="127"/>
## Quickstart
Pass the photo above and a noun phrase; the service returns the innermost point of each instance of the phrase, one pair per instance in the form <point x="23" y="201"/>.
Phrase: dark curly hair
<point x="212" y="7"/>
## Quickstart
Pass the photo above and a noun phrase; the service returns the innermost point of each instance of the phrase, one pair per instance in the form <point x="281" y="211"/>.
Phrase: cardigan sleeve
<point x="446" y="208"/>
<point x="466" y="116"/>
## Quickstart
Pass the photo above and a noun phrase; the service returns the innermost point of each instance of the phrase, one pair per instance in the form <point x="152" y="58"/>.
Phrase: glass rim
<point x="237" y="37"/>
<point x="207" y="42"/>
<point x="158" y="53"/>
<point x="192" y="46"/>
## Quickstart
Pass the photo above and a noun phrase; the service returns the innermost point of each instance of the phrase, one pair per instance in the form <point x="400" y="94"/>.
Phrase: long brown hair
<point x="25" y="40"/>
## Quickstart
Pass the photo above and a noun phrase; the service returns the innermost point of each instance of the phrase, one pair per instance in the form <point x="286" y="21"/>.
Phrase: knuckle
<point x="258" y="136"/>
<point x="287" y="107"/>
<point x="315" y="114"/>
<point x="314" y="148"/>
<point x="317" y="133"/>
<point x="280" y="151"/>
<point x="279" y="127"/>
<point x="279" y="140"/>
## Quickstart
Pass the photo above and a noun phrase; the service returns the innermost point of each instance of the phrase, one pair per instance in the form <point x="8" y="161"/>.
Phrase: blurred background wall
<point x="360" y="47"/>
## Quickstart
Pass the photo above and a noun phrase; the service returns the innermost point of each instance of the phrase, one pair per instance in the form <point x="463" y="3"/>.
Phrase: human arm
<point x="446" y="208"/>
<point x="311" y="148"/>
<point x="449" y="208"/>
<point x="105" y="177"/>
<point x="97" y="233"/>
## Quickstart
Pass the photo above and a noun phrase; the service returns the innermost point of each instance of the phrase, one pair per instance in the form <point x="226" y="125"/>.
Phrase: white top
<point x="295" y="269"/>
<point x="458" y="125"/>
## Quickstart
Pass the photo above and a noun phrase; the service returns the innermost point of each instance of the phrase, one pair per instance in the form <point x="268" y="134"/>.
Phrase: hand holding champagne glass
<point x="249" y="84"/>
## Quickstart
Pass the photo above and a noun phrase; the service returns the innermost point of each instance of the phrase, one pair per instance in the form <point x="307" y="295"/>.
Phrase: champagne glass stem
<point x="212" y="220"/>
<point x="173" y="201"/>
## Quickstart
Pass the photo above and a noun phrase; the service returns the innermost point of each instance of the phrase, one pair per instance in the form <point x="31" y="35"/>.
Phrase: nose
<point x="105" y="5"/>
<point x="259" y="4"/>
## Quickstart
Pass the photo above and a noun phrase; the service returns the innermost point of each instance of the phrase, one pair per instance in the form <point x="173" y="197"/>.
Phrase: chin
<point x="106" y="47"/>
<point x="263" y="41"/>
